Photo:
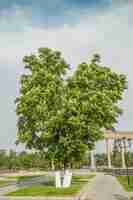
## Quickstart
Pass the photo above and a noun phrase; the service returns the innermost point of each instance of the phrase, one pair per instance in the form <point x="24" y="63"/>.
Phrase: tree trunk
<point x="52" y="165"/>
<point x="67" y="179"/>
<point x="58" y="179"/>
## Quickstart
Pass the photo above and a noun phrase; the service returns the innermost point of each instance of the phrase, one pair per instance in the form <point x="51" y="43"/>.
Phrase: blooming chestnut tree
<point x="64" y="115"/>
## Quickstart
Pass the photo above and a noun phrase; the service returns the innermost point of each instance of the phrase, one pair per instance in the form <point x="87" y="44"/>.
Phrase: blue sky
<point x="78" y="29"/>
<point x="50" y="13"/>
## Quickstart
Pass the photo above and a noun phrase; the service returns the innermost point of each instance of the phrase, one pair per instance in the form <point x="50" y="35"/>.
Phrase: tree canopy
<point x="63" y="115"/>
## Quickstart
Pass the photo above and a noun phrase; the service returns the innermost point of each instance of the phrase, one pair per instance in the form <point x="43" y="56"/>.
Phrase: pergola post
<point x="123" y="158"/>
<point x="93" y="166"/>
<point x="108" y="149"/>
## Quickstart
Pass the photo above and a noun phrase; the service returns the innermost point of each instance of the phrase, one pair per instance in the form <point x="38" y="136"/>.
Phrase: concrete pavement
<point x="106" y="187"/>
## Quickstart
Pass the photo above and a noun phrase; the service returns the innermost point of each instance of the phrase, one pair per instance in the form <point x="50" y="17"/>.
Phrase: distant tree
<point x="116" y="159"/>
<point x="101" y="159"/>
<point x="3" y="159"/>
<point x="12" y="160"/>
<point x="64" y="116"/>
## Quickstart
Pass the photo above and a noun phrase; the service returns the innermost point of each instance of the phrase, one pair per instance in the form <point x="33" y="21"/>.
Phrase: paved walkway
<point x="106" y="187"/>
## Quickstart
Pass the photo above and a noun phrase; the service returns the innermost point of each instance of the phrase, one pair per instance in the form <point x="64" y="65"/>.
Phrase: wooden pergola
<point x="109" y="136"/>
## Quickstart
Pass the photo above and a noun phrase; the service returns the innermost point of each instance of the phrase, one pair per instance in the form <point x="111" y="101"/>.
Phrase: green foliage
<point x="101" y="159"/>
<point x="116" y="159"/>
<point x="15" y="161"/>
<point x="64" y="116"/>
<point x="3" y="159"/>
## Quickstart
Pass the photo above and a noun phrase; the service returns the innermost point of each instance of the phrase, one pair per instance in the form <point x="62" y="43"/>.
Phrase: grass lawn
<point x="4" y="183"/>
<point x="49" y="190"/>
<point x="13" y="179"/>
<point x="124" y="183"/>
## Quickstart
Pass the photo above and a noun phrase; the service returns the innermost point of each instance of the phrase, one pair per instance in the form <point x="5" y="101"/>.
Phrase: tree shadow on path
<point x="120" y="197"/>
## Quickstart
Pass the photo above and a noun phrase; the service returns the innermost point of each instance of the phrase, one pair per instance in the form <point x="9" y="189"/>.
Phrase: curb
<point x="35" y="198"/>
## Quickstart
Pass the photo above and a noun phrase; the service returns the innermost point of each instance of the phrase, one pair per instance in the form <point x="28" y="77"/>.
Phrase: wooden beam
<point x="118" y="134"/>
